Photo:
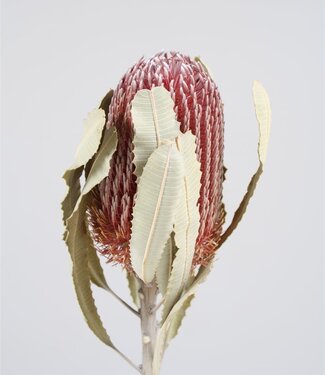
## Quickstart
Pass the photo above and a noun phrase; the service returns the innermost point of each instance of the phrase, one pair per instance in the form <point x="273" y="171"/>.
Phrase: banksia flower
<point x="152" y="159"/>
<point x="198" y="108"/>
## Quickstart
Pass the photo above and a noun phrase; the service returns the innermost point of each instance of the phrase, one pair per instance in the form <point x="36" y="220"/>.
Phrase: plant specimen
<point x="152" y="159"/>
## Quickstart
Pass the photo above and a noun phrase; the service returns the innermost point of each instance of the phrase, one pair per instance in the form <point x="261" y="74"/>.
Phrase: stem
<point x="123" y="302"/>
<point x="128" y="360"/>
<point x="158" y="306"/>
<point x="148" y="296"/>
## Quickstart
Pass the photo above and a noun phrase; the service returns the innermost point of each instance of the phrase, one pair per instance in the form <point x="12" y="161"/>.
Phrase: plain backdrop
<point x="261" y="310"/>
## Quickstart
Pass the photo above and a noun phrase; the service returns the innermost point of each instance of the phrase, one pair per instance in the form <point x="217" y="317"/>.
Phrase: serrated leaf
<point x="92" y="133"/>
<point x="100" y="167"/>
<point x="134" y="288"/>
<point x="167" y="330"/>
<point x="98" y="171"/>
<point x="165" y="266"/>
<point x="72" y="179"/>
<point x="263" y="115"/>
<point x="176" y="322"/>
<point x="96" y="272"/>
<point x="154" y="121"/>
<point x="78" y="243"/>
<point x="154" y="210"/>
<point x="187" y="222"/>
<point x="239" y="213"/>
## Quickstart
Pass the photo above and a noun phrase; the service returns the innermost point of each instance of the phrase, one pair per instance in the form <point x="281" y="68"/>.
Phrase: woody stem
<point x="148" y="296"/>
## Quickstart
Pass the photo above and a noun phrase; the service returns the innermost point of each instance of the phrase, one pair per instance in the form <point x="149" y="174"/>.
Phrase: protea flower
<point x="198" y="108"/>
<point x="152" y="156"/>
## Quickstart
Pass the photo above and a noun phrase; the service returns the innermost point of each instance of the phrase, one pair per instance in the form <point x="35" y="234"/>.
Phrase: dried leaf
<point x="93" y="128"/>
<point x="134" y="288"/>
<point x="165" y="266"/>
<point x="176" y="322"/>
<point x="100" y="167"/>
<point x="78" y="243"/>
<point x="239" y="213"/>
<point x="92" y="134"/>
<point x="96" y="272"/>
<point x="106" y="102"/>
<point x="72" y="179"/>
<point x="154" y="121"/>
<point x="98" y="172"/>
<point x="154" y="210"/>
<point x="263" y="115"/>
<point x="187" y="222"/>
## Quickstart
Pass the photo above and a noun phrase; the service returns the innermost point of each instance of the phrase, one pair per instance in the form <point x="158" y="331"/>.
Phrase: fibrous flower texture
<point x="198" y="108"/>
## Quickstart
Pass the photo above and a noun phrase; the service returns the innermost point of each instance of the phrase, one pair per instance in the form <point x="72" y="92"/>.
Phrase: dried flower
<point x="198" y="107"/>
<point x="152" y="195"/>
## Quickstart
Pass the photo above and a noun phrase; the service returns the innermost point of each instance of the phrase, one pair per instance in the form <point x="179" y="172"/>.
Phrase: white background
<point x="261" y="311"/>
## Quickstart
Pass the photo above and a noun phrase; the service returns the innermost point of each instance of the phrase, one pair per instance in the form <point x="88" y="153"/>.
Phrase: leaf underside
<point x="101" y="163"/>
<point x="174" y="318"/>
<point x="187" y="222"/>
<point x="154" y="209"/>
<point x="93" y="128"/>
<point x="154" y="121"/>
<point x="263" y="115"/>
<point x="165" y="266"/>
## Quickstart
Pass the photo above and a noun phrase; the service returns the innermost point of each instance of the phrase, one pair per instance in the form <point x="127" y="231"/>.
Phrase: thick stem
<point x="148" y="296"/>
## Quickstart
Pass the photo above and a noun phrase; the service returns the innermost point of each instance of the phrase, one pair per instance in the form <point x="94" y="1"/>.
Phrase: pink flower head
<point x="198" y="108"/>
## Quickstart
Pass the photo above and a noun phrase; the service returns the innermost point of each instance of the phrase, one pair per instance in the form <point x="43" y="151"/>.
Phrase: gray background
<point x="261" y="310"/>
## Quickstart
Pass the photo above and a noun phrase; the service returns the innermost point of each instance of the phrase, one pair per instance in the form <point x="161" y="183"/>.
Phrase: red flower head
<point x="198" y="107"/>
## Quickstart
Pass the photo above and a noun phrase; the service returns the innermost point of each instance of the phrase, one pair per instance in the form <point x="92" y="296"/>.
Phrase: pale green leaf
<point x="165" y="266"/>
<point x="154" y="121"/>
<point x="187" y="222"/>
<point x="170" y="326"/>
<point x="134" y="288"/>
<point x="100" y="167"/>
<point x="155" y="207"/>
<point x="78" y="243"/>
<point x="92" y="133"/>
<point x="263" y="115"/>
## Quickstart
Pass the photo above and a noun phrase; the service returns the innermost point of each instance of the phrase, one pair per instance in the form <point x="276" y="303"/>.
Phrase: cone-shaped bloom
<point x="198" y="108"/>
